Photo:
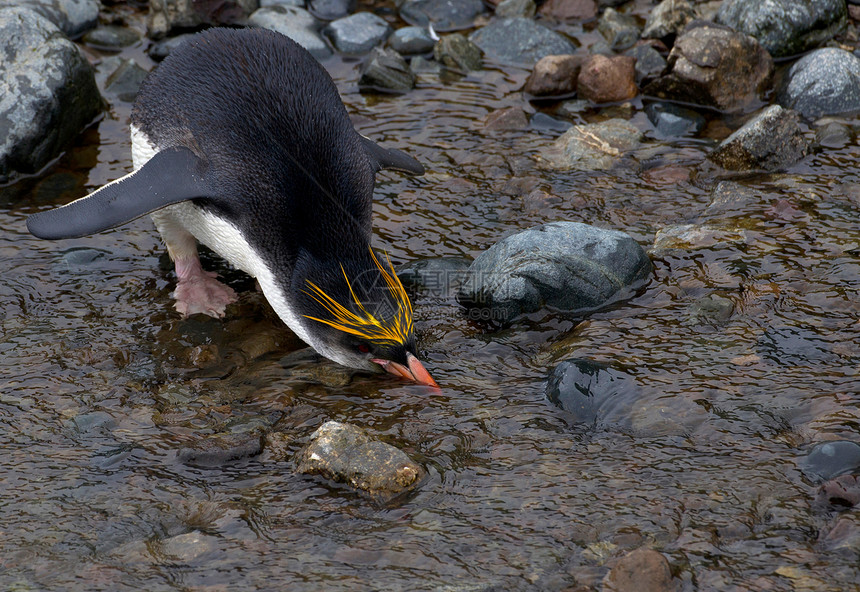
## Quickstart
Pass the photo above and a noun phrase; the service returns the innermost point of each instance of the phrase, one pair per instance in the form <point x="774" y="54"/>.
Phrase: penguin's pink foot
<point x="197" y="291"/>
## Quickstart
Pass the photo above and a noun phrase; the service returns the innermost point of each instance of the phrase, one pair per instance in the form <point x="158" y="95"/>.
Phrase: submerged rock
<point x="357" y="33"/>
<point x="592" y="392"/>
<point x="668" y="19"/>
<point x="444" y="15"/>
<point x="593" y="146"/>
<point x="48" y="92"/>
<point x="509" y="118"/>
<point x="785" y="27"/>
<point x="411" y="40"/>
<point x="554" y="75"/>
<point x="620" y="30"/>
<point x="607" y="80"/>
<point x="672" y="121"/>
<point x="440" y="276"/>
<point x="714" y="66"/>
<point x="642" y="570"/>
<point x="72" y="17"/>
<point x="772" y="140"/>
<point x="458" y="53"/>
<point x="565" y="265"/>
<point x="695" y="236"/>
<point x="519" y="41"/>
<point x="166" y="15"/>
<point x="347" y="454"/>
<point x="386" y="70"/>
<point x="829" y="460"/>
<point x="296" y="23"/>
<point x="826" y="81"/>
<point x="219" y="449"/>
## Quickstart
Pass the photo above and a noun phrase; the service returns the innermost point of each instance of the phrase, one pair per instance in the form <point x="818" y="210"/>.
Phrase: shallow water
<point x="101" y="383"/>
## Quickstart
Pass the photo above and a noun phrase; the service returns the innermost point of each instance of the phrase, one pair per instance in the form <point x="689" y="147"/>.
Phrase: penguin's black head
<point x="359" y="315"/>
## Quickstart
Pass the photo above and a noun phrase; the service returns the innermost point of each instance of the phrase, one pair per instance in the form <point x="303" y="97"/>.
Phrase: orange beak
<point x="415" y="372"/>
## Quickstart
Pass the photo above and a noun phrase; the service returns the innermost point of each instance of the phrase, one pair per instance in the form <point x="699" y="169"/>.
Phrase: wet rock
<point x="785" y="27"/>
<point x="714" y="66"/>
<point x="730" y="198"/>
<point x="542" y="121"/>
<point x="594" y="146"/>
<point x="161" y="49"/>
<point x="607" y="80"/>
<point x="713" y="308"/>
<point x="72" y="17"/>
<point x="458" y="53"/>
<point x="444" y="15"/>
<point x="411" y="40"/>
<point x="554" y="75"/>
<point x="357" y="33"/>
<point x="219" y="449"/>
<point x="519" y="41"/>
<point x="845" y="534"/>
<point x="620" y="30"/>
<point x="694" y="236"/>
<point x="829" y="460"/>
<point x="296" y="23"/>
<point x="185" y="548"/>
<point x="111" y="37"/>
<point x="330" y="10"/>
<point x="772" y="140"/>
<point x="386" y="70"/>
<point x="833" y="135"/>
<point x="509" y="118"/>
<point x="569" y="10"/>
<point x="440" y="276"/>
<point x="649" y="63"/>
<point x="642" y="570"/>
<point x="672" y="121"/>
<point x="843" y="492"/>
<point x="668" y="19"/>
<point x="420" y="65"/>
<point x="48" y="92"/>
<point x="591" y="392"/>
<point x="78" y="257"/>
<point x="166" y="15"/>
<point x="565" y="265"/>
<point x="347" y="454"/>
<point x="826" y="81"/>
<point x="511" y="8"/>
<point x="125" y="81"/>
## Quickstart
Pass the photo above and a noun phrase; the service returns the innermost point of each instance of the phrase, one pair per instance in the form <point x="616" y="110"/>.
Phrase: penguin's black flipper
<point x="391" y="158"/>
<point x="171" y="176"/>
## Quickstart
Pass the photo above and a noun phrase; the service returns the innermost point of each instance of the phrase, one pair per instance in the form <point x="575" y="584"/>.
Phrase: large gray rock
<point x="296" y="23"/>
<point x="772" y="140"/>
<point x="444" y="15"/>
<point x="785" y="27"/>
<point x="592" y="146"/>
<point x="565" y="265"/>
<point x="166" y="15"/>
<point x="357" y="33"/>
<point x="48" y="92"/>
<point x="347" y="454"/>
<point x="519" y="41"/>
<point x="714" y="66"/>
<point x="73" y="17"/>
<point x="826" y="81"/>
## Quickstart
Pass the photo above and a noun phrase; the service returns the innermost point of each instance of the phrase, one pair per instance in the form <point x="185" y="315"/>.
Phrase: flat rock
<point x="569" y="10"/>
<point x="411" y="41"/>
<point x="829" y="460"/>
<point x="593" y="146"/>
<point x="591" y="392"/>
<point x="111" y="37"/>
<point x="167" y="15"/>
<point x="48" y="92"/>
<point x="385" y="70"/>
<point x="607" y="79"/>
<point x="649" y="63"/>
<point x="825" y="81"/>
<point x="772" y="140"/>
<point x="296" y="23"/>
<point x="785" y="27"/>
<point x="554" y="75"/>
<point x="509" y="8"/>
<point x="519" y="41"/>
<point x="347" y="454"/>
<point x="690" y="237"/>
<point x="72" y="17"/>
<point x="219" y="449"/>
<point x="330" y="10"/>
<point x="444" y="15"/>
<point x="714" y="66"/>
<point x="569" y="266"/>
<point x="668" y="19"/>
<point x="642" y="570"/>
<point x="357" y="33"/>
<point x="508" y="118"/>
<point x="620" y="30"/>
<point x="456" y="52"/>
<point x="672" y="121"/>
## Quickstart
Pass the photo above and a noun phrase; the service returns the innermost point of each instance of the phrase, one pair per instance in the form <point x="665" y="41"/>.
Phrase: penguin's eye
<point x="364" y="348"/>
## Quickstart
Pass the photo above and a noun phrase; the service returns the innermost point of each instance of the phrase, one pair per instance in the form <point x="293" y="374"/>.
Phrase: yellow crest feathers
<point x="363" y="323"/>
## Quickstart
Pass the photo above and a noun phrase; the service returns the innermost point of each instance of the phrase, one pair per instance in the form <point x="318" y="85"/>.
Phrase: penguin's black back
<point x="287" y="165"/>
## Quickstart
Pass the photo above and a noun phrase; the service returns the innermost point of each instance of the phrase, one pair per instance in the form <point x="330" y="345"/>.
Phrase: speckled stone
<point x="358" y="33"/>
<point x="411" y="41"/>
<point x="772" y="140"/>
<point x="826" y="81"/>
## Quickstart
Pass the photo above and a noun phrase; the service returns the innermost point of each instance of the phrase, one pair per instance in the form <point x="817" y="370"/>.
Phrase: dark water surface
<point x="101" y="382"/>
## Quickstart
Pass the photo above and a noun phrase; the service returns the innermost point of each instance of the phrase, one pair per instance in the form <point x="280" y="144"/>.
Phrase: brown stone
<point x="715" y="66"/>
<point x="642" y="570"/>
<point x="509" y="118"/>
<point x="569" y="10"/>
<point x="606" y="80"/>
<point x="554" y="75"/>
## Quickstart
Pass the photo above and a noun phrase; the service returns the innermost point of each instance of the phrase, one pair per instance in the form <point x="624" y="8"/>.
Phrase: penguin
<point x="241" y="142"/>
